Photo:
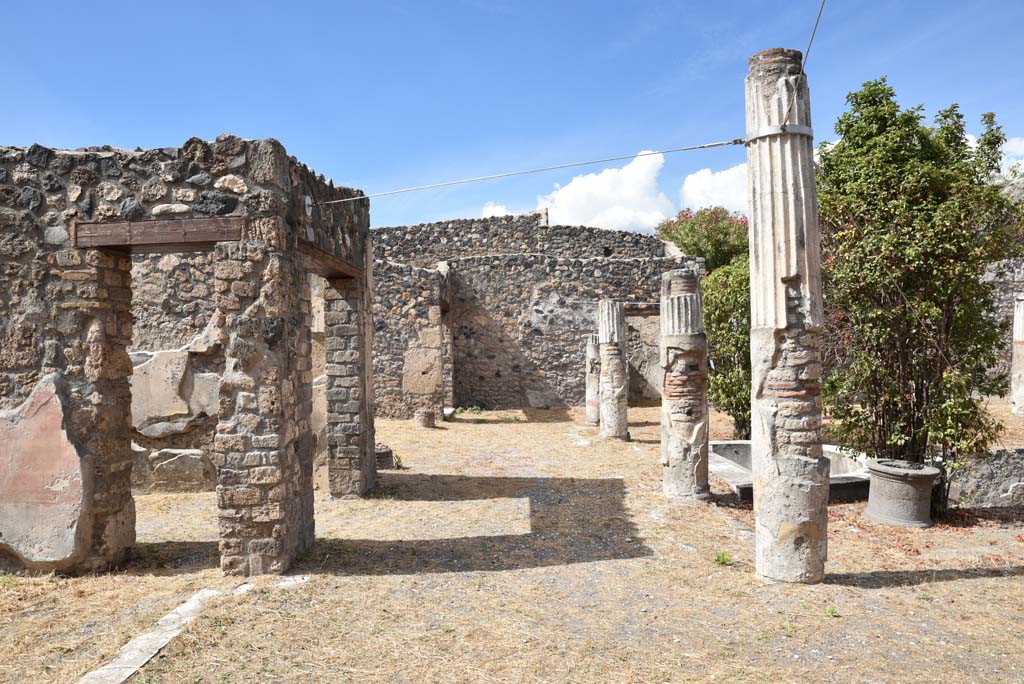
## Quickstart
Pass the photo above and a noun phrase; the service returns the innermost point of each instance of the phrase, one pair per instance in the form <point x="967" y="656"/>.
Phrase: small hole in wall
<point x="607" y="251"/>
<point x="497" y="374"/>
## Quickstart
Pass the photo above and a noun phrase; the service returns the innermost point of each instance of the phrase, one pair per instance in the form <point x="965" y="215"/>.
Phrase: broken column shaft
<point x="593" y="381"/>
<point x="684" y="397"/>
<point x="1017" y="362"/>
<point x="614" y="378"/>
<point x="790" y="473"/>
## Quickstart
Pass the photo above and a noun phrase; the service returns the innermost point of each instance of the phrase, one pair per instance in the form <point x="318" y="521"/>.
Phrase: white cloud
<point x="1013" y="153"/>
<point x="613" y="198"/>
<point x="707" y="188"/>
<point x="494" y="209"/>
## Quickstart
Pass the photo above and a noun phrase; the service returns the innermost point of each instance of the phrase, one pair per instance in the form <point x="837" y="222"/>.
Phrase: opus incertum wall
<point x="494" y="311"/>
<point x="71" y="223"/>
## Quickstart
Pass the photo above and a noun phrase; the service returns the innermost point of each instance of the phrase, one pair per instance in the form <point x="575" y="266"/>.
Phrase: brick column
<point x="93" y="311"/>
<point x="351" y="467"/>
<point x="263" y="445"/>
<point x="790" y="473"/>
<point x="684" y="397"/>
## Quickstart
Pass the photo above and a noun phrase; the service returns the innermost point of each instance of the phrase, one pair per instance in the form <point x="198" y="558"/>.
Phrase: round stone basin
<point x="729" y="460"/>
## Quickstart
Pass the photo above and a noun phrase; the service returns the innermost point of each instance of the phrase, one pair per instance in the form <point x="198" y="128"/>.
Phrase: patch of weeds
<point x="398" y="462"/>
<point x="8" y="582"/>
<point x="832" y="612"/>
<point x="723" y="558"/>
<point x="790" y="629"/>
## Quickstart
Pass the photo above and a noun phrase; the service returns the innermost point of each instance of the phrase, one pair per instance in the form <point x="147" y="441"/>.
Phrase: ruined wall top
<point x="427" y="243"/>
<point x="228" y="177"/>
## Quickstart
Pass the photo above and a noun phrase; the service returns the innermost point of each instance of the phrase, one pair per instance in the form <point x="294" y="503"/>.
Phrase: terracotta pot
<point x="900" y="493"/>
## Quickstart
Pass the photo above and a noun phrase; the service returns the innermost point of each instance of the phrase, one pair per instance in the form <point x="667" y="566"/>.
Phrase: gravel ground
<point x="516" y="547"/>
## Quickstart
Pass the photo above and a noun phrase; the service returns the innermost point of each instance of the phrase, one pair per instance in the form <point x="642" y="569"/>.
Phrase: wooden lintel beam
<point x="327" y="265"/>
<point x="156" y="236"/>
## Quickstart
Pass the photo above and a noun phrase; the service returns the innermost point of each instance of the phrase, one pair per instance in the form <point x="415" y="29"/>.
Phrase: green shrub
<point x="714" y="233"/>
<point x="727" y="323"/>
<point x="911" y="218"/>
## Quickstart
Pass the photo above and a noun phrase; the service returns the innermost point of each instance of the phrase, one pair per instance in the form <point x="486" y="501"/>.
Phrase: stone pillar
<point x="65" y="461"/>
<point x="684" y="397"/>
<point x="263" y="447"/>
<point x="593" y="379"/>
<point x="790" y="473"/>
<point x="351" y="460"/>
<point x="614" y="377"/>
<point x="1017" y="364"/>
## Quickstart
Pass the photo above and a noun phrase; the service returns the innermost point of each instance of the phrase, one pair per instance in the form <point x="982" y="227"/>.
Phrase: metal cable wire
<point x="736" y="141"/>
<point x="803" y="63"/>
<point x="507" y="174"/>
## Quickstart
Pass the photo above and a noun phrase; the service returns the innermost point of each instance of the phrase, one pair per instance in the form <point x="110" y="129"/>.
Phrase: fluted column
<point x="790" y="473"/>
<point x="614" y="377"/>
<point x="684" y="396"/>
<point x="593" y="381"/>
<point x="1017" y="364"/>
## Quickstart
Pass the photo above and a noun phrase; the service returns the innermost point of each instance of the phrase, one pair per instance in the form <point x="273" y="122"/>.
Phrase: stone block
<point x="182" y="470"/>
<point x="422" y="372"/>
<point x="157" y="389"/>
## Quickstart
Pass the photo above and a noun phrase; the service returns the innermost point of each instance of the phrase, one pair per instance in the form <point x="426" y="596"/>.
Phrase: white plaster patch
<point x="142" y="648"/>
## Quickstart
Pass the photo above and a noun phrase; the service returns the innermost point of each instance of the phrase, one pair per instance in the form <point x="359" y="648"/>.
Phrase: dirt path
<point x="515" y="547"/>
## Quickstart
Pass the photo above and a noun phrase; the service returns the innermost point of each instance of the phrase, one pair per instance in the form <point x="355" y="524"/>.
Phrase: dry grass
<point x="516" y="547"/>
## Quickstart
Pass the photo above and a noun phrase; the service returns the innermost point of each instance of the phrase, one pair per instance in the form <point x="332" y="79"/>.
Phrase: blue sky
<point x="383" y="95"/>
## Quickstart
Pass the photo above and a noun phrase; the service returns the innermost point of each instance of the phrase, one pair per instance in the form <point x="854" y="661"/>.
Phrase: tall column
<point x="1017" y="363"/>
<point x="614" y="377"/>
<point x="790" y="473"/>
<point x="593" y="379"/>
<point x="684" y="397"/>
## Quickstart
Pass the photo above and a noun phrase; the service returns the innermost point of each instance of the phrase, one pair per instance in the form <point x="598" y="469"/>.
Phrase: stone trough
<point x="729" y="460"/>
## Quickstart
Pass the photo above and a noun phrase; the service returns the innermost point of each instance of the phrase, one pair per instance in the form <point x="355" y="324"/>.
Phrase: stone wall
<point x="428" y="243"/>
<point x="519" y="322"/>
<point x="522" y="296"/>
<point x="412" y="358"/>
<point x="1008" y="277"/>
<point x="238" y="364"/>
<point x="645" y="371"/>
<point x="994" y="480"/>
<point x="177" y="371"/>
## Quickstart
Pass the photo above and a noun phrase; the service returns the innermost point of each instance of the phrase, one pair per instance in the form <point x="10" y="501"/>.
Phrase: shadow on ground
<point x="571" y="521"/>
<point x="172" y="557"/>
<point x="882" y="579"/>
<point x="552" y="415"/>
<point x="1005" y="516"/>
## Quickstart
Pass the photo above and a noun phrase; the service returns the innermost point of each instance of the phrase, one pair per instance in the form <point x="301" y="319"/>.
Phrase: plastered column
<point x="790" y="473"/>
<point x="684" y="397"/>
<point x="1017" y="365"/>
<point x="593" y="380"/>
<point x="614" y="377"/>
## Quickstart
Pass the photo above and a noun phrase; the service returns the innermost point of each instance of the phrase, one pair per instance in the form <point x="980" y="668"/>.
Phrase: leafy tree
<point x="714" y="233"/>
<point x="720" y="236"/>
<point x="911" y="217"/>
<point x="727" y="323"/>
